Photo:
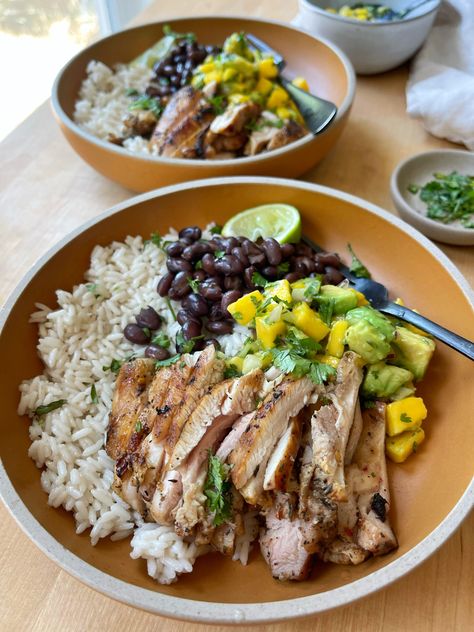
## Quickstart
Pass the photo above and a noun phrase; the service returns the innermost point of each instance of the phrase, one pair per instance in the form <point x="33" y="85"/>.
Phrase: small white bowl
<point x="419" y="169"/>
<point x="372" y="47"/>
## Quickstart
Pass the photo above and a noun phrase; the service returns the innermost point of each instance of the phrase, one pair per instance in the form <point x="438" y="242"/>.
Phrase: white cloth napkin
<point x="440" y="89"/>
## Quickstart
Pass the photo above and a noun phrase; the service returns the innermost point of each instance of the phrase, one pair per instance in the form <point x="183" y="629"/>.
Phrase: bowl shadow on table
<point x="216" y="578"/>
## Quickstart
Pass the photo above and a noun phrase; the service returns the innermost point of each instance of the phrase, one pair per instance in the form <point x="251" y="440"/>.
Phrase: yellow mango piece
<point x="405" y="414"/>
<point x="238" y="98"/>
<point x="214" y="75"/>
<point x="328" y="359"/>
<point x="229" y="74"/>
<point x="415" y="330"/>
<point x="399" y="448"/>
<point x="236" y="362"/>
<point x="264" y="86"/>
<point x="284" y="113"/>
<point x="280" y="289"/>
<point x="268" y="332"/>
<point x="207" y="67"/>
<point x="278" y="98"/>
<point x="361" y="300"/>
<point x="300" y="82"/>
<point x="335" y="345"/>
<point x="309" y="322"/>
<point x="245" y="308"/>
<point x="267" y="68"/>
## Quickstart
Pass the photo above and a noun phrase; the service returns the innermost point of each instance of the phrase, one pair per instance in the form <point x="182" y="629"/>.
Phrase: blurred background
<point x="37" y="37"/>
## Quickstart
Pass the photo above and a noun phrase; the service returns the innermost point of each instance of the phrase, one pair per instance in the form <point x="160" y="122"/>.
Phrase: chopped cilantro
<point x="217" y="490"/>
<point x="94" y="398"/>
<point x="406" y="419"/>
<point x="168" y="361"/>
<point x="131" y="92"/>
<point x="145" y="102"/>
<point x="156" y="239"/>
<point x="162" y="340"/>
<point x="219" y="254"/>
<point x="138" y="426"/>
<point x="231" y="371"/>
<point x="237" y="315"/>
<point x="92" y="288"/>
<point x="259" y="280"/>
<point x="320" y="372"/>
<point x="357" y="267"/>
<point x="193" y="284"/>
<point x="218" y="103"/>
<point x="186" y="346"/>
<point x="114" y="366"/>
<point x="413" y="188"/>
<point x="47" y="408"/>
<point x="198" y="265"/>
<point x="170" y="307"/>
<point x="415" y="446"/>
<point x="312" y="289"/>
<point x="326" y="309"/>
<point x="283" y="267"/>
<point x="216" y="230"/>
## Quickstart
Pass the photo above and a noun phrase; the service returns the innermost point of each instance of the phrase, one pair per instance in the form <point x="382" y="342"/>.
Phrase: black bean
<point x="220" y="327"/>
<point x="241" y="256"/>
<point x="232" y="283"/>
<point x="178" y="265"/>
<point x="273" y="251"/>
<point x="175" y="80"/>
<point x="180" y="285"/>
<point x="216" y="312"/>
<point x="197" y="56"/>
<point x="135" y="334"/>
<point x="190" y="232"/>
<point x="230" y="297"/>
<point x="250" y="248"/>
<point x="182" y="44"/>
<point x="329" y="259"/>
<point x="318" y="266"/>
<point x="208" y="263"/>
<point x="183" y="316"/>
<point x="186" y="74"/>
<point x="248" y="274"/>
<point x="303" y="264"/>
<point x="332" y="276"/>
<point x="224" y="265"/>
<point x="188" y="65"/>
<point x="191" y="329"/>
<point x="156" y="352"/>
<point x="174" y="249"/>
<point x="212" y="341"/>
<point x="199" y="275"/>
<point x="148" y="318"/>
<point x="258" y="260"/>
<point x="303" y="250"/>
<point x="158" y="67"/>
<point x="179" y="58"/>
<point x="211" y="291"/>
<point x="287" y="250"/>
<point x="168" y="70"/>
<point x="195" y="304"/>
<point x="270" y="272"/>
<point x="294" y="276"/>
<point x="228" y="243"/>
<point x="195" y="251"/>
<point x="164" y="284"/>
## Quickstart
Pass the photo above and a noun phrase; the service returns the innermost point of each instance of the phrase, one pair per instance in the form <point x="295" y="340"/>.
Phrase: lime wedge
<point x="155" y="53"/>
<point x="280" y="221"/>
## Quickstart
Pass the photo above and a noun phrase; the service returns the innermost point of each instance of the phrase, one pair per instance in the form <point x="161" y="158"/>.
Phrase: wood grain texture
<point x="46" y="191"/>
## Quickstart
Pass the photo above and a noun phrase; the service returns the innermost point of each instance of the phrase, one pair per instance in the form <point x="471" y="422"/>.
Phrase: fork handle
<point x="464" y="346"/>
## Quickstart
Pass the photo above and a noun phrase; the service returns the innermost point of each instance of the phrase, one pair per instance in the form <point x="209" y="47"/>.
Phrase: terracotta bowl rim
<point x="342" y="19"/>
<point x="201" y="163"/>
<point x="212" y="612"/>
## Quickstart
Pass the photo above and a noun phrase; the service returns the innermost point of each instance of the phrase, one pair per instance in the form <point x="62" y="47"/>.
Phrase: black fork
<point x="377" y="295"/>
<point x="317" y="113"/>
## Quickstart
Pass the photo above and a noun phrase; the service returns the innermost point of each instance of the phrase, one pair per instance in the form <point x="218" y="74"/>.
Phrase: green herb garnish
<point x="170" y="307"/>
<point x="131" y="92"/>
<point x="94" y="398"/>
<point x="405" y="418"/>
<point x="162" y="340"/>
<point x="167" y="30"/>
<point x="259" y="280"/>
<point x="138" y="426"/>
<point x="219" y="254"/>
<point x="114" y="366"/>
<point x="216" y="230"/>
<point x="448" y="198"/>
<point x="217" y="490"/>
<point x="326" y="309"/>
<point x="186" y="346"/>
<point x="47" y="408"/>
<point x="218" y="103"/>
<point x="145" y="102"/>
<point x="283" y="267"/>
<point x="193" y="284"/>
<point x="357" y="268"/>
<point x="231" y="371"/>
<point x="168" y="361"/>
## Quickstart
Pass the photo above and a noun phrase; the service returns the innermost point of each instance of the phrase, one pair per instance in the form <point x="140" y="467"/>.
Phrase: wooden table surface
<point x="46" y="191"/>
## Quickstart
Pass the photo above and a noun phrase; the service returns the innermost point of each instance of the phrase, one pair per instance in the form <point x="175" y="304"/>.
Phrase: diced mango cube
<point x="278" y="98"/>
<point x="267" y="68"/>
<point x="281" y="289"/>
<point x="328" y="359"/>
<point x="405" y="414"/>
<point x="361" y="300"/>
<point x="300" y="82"/>
<point x="264" y="86"/>
<point x="309" y="322"/>
<point x="207" y="67"/>
<point x="415" y="330"/>
<point x="268" y="332"/>
<point x="399" y="448"/>
<point x="238" y="98"/>
<point x="214" y="75"/>
<point x="335" y="345"/>
<point x="236" y="363"/>
<point x="245" y="308"/>
<point x="229" y="74"/>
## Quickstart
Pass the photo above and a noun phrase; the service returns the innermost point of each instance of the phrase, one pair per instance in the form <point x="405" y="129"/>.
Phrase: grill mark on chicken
<point x="290" y="132"/>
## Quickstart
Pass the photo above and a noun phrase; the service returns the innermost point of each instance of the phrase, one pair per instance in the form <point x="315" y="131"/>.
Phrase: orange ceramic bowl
<point x="431" y="492"/>
<point x="327" y="69"/>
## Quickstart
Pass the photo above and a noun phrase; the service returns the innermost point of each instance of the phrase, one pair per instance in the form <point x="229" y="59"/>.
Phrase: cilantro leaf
<point x="406" y="419"/>
<point x="47" y="408"/>
<point x="94" y="398"/>
<point x="218" y="103"/>
<point x="259" y="280"/>
<point x="219" y="254"/>
<point x="114" y="366"/>
<point x="193" y="284"/>
<point x="231" y="371"/>
<point x="217" y="490"/>
<point x="357" y="267"/>
<point x="138" y="426"/>
<point x="162" y="340"/>
<point x="170" y="307"/>
<point x="145" y="102"/>
<point x="168" y="361"/>
<point x="216" y="230"/>
<point x="186" y="346"/>
<point x="320" y="373"/>
<point x="326" y="309"/>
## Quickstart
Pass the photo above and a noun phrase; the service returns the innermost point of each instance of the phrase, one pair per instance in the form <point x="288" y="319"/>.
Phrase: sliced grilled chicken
<point x="140" y="122"/>
<point x="283" y="457"/>
<point x="259" y="139"/>
<point x="290" y="132"/>
<point x="282" y="542"/>
<point x="166" y="497"/>
<point x="183" y="103"/>
<point x="232" y="439"/>
<point x="218" y="144"/>
<point x="130" y="397"/>
<point x="371" y="485"/>
<point x="354" y="435"/>
<point x="216" y="412"/>
<point x="233" y="120"/>
<point x="266" y="427"/>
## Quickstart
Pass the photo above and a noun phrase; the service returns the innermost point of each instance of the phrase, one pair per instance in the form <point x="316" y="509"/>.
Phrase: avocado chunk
<point x="407" y="390"/>
<point x="383" y="380"/>
<point x="345" y="298"/>
<point x="412" y="351"/>
<point x="366" y="340"/>
<point x="375" y="318"/>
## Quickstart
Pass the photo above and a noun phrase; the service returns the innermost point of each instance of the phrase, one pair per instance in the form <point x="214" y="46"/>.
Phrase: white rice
<point x="103" y="102"/>
<point x="77" y="341"/>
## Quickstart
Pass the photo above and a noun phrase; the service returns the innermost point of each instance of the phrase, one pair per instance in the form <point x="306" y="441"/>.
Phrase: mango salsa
<point x="280" y="289"/>
<point x="415" y="330"/>
<point x="301" y="83"/>
<point x="328" y="359"/>
<point x="267" y="68"/>
<point x="399" y="448"/>
<point x="309" y="322"/>
<point x="264" y="86"/>
<point x="244" y="309"/>
<point x="277" y="98"/>
<point x="405" y="414"/>
<point x="268" y="332"/>
<point x="335" y="345"/>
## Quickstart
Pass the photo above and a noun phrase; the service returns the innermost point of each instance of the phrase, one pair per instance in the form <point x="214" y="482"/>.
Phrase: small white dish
<point x="372" y="47"/>
<point x="419" y="170"/>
